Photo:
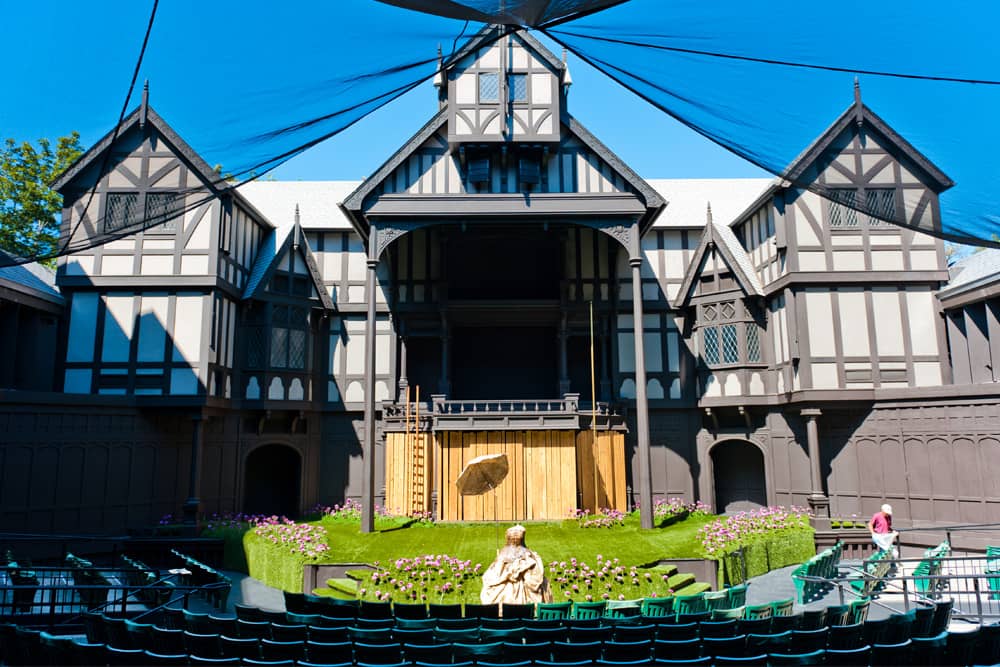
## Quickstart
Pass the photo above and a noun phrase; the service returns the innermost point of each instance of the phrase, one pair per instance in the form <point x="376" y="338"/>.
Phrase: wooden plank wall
<point x="546" y="470"/>
<point x="406" y="489"/>
<point x="600" y="469"/>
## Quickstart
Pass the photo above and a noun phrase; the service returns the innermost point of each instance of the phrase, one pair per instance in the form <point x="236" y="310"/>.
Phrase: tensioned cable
<point x="121" y="117"/>
<point x="769" y="61"/>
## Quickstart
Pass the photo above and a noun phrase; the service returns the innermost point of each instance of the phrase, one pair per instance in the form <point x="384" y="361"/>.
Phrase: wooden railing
<point x="567" y="412"/>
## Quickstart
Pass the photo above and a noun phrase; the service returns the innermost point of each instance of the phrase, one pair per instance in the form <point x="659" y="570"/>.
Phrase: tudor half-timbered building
<point x="503" y="283"/>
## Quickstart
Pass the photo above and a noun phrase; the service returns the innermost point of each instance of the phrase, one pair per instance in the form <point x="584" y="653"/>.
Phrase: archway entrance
<point x="271" y="481"/>
<point x="739" y="477"/>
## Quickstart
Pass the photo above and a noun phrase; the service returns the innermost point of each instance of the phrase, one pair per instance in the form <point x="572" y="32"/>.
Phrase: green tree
<point x="29" y="208"/>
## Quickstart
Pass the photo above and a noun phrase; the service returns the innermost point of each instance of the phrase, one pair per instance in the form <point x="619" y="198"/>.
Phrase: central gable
<point x="504" y="87"/>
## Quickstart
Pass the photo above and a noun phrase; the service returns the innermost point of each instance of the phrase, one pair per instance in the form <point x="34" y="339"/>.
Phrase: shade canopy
<point x="482" y="474"/>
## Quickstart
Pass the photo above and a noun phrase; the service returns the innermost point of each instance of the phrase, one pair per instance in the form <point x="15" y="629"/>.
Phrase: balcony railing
<point x="566" y="413"/>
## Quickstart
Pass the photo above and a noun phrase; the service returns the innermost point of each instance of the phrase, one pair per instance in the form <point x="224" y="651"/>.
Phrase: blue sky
<point x="222" y="73"/>
<point x="76" y="64"/>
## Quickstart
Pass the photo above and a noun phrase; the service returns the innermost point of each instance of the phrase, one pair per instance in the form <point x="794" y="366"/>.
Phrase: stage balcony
<point x="557" y="414"/>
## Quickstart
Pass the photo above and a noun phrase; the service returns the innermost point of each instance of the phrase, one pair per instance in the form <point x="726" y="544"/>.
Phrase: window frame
<point x="716" y="328"/>
<point x="865" y="222"/>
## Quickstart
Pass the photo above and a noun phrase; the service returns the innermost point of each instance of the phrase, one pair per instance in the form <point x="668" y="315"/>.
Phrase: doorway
<point x="739" y="477"/>
<point x="272" y="480"/>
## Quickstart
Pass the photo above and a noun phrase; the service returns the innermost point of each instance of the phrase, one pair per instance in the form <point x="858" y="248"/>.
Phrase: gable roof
<point x="721" y="237"/>
<point x="859" y="113"/>
<point x="31" y="278"/>
<point x="491" y="33"/>
<point x="353" y="203"/>
<point x="207" y="174"/>
<point x="274" y="247"/>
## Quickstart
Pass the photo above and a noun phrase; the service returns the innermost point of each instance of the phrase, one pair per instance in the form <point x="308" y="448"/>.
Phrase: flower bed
<point x="770" y="538"/>
<point x="439" y="578"/>
<point x="670" y="510"/>
<point x="609" y="580"/>
<point x="277" y="548"/>
<point x="604" y="518"/>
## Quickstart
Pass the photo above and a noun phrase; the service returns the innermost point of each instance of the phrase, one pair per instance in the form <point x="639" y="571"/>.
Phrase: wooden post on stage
<point x="368" y="446"/>
<point x="641" y="404"/>
<point x="593" y="408"/>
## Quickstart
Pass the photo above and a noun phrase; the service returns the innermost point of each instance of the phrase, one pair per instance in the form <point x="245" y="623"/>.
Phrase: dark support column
<point x="368" y="447"/>
<point x="604" y="340"/>
<point x="193" y="503"/>
<point x="8" y="340"/>
<point x="404" y="382"/>
<point x="818" y="501"/>
<point x="444" y="384"/>
<point x="641" y="405"/>
<point x="563" y="361"/>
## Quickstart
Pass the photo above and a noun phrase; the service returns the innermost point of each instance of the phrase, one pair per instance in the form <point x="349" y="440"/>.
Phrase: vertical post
<point x="444" y="385"/>
<point x="404" y="382"/>
<point x="604" y="340"/>
<point x="563" y="361"/>
<point x="641" y="404"/>
<point x="192" y="504"/>
<point x="368" y="447"/>
<point x="818" y="501"/>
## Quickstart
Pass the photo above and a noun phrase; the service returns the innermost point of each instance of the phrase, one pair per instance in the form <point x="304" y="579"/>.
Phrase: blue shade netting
<point x="250" y="89"/>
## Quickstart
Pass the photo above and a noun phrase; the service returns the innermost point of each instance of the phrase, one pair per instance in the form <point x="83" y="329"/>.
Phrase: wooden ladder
<point x="418" y="457"/>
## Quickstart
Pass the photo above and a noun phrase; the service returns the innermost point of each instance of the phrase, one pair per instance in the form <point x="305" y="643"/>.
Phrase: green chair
<point x="812" y="658"/>
<point x="737" y="596"/>
<point x="758" y="611"/>
<point x="900" y="627"/>
<point x="586" y="610"/>
<point x="931" y="650"/>
<point x="783" y="607"/>
<point x="848" y="657"/>
<point x="859" y="610"/>
<point x="892" y="654"/>
<point x="547" y="610"/>
<point x="838" y="614"/>
<point x="960" y="647"/>
<point x="657" y="607"/>
<point x="726" y="614"/>
<point x="846" y="636"/>
<point x="716" y="599"/>
<point x="689" y="604"/>
<point x="812" y="619"/>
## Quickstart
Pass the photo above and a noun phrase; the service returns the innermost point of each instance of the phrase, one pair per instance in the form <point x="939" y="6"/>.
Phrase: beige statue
<point x="517" y="576"/>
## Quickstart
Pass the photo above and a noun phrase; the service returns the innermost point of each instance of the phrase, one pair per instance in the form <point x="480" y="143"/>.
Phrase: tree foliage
<point x="29" y="207"/>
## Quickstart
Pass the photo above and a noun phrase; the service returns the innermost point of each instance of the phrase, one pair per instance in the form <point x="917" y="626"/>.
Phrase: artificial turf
<point x="478" y="542"/>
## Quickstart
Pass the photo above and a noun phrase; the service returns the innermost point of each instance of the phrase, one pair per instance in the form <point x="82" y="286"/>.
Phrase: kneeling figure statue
<point x="517" y="576"/>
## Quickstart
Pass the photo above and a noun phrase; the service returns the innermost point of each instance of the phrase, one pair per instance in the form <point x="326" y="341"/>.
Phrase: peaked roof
<point x="354" y="202"/>
<point x="721" y="237"/>
<point x="274" y="247"/>
<point x="207" y="174"/>
<point x="859" y="113"/>
<point x="491" y="33"/>
<point x="32" y="278"/>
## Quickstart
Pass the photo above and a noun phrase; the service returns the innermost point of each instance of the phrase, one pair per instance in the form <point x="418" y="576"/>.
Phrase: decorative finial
<point x="567" y="79"/>
<point x="296" y="230"/>
<point x="708" y="213"/>
<point x="145" y="104"/>
<point x="565" y="53"/>
<point x="858" y="115"/>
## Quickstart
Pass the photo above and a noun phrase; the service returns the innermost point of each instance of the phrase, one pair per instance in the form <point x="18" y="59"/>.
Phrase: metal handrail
<point x="972" y="598"/>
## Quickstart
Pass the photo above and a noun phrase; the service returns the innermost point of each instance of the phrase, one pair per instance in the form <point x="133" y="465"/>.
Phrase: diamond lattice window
<point x="296" y="349"/>
<point x="882" y="204"/>
<point x="121" y="211"/>
<point x="753" y="343"/>
<point x="730" y="344"/>
<point x="162" y="209"/>
<point x="518" y="87"/>
<point x="279" y="347"/>
<point x="842" y="211"/>
<point x="489" y="87"/>
<point x="255" y="347"/>
<point x="711" y="336"/>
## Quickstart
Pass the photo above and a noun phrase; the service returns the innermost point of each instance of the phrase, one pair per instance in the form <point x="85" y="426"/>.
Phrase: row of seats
<point x="729" y="598"/>
<point x="930" y="566"/>
<point x="980" y="646"/>
<point x="199" y="574"/>
<point x="823" y="565"/>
